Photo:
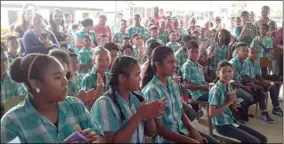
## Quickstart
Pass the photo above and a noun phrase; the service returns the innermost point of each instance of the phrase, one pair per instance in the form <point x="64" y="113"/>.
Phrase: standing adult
<point x="56" y="25"/>
<point x="265" y="11"/>
<point x="162" y="14"/>
<point x="156" y="16"/>
<point x="38" y="39"/>
<point x="101" y="28"/>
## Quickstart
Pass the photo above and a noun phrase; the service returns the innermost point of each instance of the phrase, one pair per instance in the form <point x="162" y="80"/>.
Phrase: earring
<point x="37" y="90"/>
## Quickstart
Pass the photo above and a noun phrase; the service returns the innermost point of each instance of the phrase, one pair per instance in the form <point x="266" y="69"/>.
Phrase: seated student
<point x="245" y="89"/>
<point x="173" y="44"/>
<point x="263" y="45"/>
<point x="75" y="28"/>
<point x="46" y="108"/>
<point x="221" y="97"/>
<point x="137" y="42"/>
<point x="125" y="41"/>
<point x="174" y="125"/>
<point x="102" y="40"/>
<point x="122" y="111"/>
<point x="203" y="38"/>
<point x="181" y="54"/>
<point x="127" y="50"/>
<point x="97" y="80"/>
<point x="9" y="88"/>
<point x="193" y="75"/>
<point x="218" y="50"/>
<point x="254" y="73"/>
<point x="113" y="49"/>
<point x="154" y="32"/>
<point x="85" y="56"/>
<point x="118" y="37"/>
<point x="163" y="33"/>
<point x="13" y="46"/>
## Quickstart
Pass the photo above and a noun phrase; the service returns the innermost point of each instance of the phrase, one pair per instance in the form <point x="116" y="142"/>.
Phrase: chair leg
<point x="210" y="126"/>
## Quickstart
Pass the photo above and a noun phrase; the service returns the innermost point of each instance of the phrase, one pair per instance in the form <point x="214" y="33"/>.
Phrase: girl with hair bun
<point x="46" y="115"/>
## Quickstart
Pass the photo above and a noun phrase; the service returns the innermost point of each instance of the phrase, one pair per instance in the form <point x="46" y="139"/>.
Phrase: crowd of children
<point x="122" y="88"/>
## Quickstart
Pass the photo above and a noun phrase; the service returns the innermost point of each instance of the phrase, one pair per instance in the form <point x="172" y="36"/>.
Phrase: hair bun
<point x="15" y="70"/>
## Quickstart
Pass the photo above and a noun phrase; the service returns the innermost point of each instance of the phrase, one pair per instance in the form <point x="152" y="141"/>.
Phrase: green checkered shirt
<point x="136" y="55"/>
<point x="246" y="37"/>
<point x="131" y="30"/>
<point x="172" y="118"/>
<point x="181" y="57"/>
<point x="11" y="58"/>
<point x="266" y="41"/>
<point x="193" y="73"/>
<point x="9" y="88"/>
<point x="30" y="126"/>
<point x="175" y="46"/>
<point x="107" y="114"/>
<point x="117" y="37"/>
<point x="240" y="69"/>
<point x="164" y="36"/>
<point x="89" y="81"/>
<point x="74" y="85"/>
<point x="253" y="67"/>
<point x="218" y="97"/>
<point x="220" y="54"/>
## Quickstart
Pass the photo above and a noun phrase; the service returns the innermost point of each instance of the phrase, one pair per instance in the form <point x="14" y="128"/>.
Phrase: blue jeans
<point x="242" y="133"/>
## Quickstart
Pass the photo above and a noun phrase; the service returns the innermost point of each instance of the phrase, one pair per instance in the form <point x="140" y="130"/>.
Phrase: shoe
<point x="277" y="111"/>
<point x="266" y="117"/>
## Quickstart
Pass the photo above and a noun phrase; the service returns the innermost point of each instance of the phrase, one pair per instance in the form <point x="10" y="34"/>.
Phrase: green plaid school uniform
<point x="108" y="114"/>
<point x="9" y="88"/>
<point x="175" y="46"/>
<point x="136" y="54"/>
<point x="25" y="122"/>
<point x="240" y="69"/>
<point x="218" y="97"/>
<point x="266" y="41"/>
<point x="208" y="41"/>
<point x="158" y="40"/>
<point x="89" y="81"/>
<point x="193" y="73"/>
<point x="254" y="69"/>
<point x="74" y="85"/>
<point x="164" y="36"/>
<point x="181" y="57"/>
<point x="11" y="58"/>
<point x="220" y="54"/>
<point x="81" y="34"/>
<point x="115" y="29"/>
<point x="246" y="37"/>
<point x="171" y="119"/>
<point x="117" y="37"/>
<point x="140" y="30"/>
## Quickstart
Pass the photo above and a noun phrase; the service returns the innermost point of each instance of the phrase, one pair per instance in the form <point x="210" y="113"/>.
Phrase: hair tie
<point x="30" y="68"/>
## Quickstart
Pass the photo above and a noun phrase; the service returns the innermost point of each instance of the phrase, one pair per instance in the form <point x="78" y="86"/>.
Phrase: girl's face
<point x="55" y="82"/>
<point x="102" y="61"/>
<point x="57" y="17"/>
<point x="69" y="19"/>
<point x="37" y="21"/>
<point x="168" y="65"/>
<point x="128" y="52"/>
<point x="193" y="54"/>
<point x="4" y="63"/>
<point x="87" y="43"/>
<point x="226" y="74"/>
<point x="74" y="64"/>
<point x="221" y="36"/>
<point x="137" y="40"/>
<point x="28" y="15"/>
<point x="133" y="81"/>
<point x="173" y="36"/>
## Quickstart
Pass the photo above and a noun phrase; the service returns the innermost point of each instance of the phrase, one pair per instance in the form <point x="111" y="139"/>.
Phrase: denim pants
<point x="248" y="99"/>
<point x="242" y="133"/>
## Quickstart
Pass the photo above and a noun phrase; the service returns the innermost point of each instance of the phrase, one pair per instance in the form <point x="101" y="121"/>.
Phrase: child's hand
<point x="233" y="97"/>
<point x="88" y="133"/>
<point x="152" y="110"/>
<point x="48" y="44"/>
<point x="82" y="95"/>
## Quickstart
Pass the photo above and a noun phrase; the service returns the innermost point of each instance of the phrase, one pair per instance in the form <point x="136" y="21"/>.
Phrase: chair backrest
<point x="10" y="103"/>
<point x="265" y="62"/>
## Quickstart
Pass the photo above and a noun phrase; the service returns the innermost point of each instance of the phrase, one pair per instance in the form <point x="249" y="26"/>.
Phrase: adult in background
<point x="23" y="26"/>
<point x="68" y="19"/>
<point x="156" y="16"/>
<point x="265" y="11"/>
<point x="137" y="28"/>
<point x="101" y="28"/>
<point x="56" y="25"/>
<point x="38" y="39"/>
<point x="162" y="15"/>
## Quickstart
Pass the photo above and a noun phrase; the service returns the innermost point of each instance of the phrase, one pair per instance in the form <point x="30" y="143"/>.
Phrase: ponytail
<point x="147" y="73"/>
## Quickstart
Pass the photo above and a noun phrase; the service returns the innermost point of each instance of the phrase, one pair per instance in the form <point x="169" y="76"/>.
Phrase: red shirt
<point x="102" y="30"/>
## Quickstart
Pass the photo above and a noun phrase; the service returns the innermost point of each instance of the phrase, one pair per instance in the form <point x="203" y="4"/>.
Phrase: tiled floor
<point x="273" y="132"/>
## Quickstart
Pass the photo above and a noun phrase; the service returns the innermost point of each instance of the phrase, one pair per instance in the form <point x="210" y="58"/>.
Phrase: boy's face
<point x="87" y="43"/>
<point x="125" y="42"/>
<point x="253" y="54"/>
<point x="128" y="52"/>
<point x="13" y="44"/>
<point x="263" y="30"/>
<point x="154" y="33"/>
<point x="265" y="13"/>
<point x="137" y="20"/>
<point x="193" y="54"/>
<point x="243" y="52"/>
<point x="173" y="36"/>
<point x="123" y="25"/>
<point x="238" y="22"/>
